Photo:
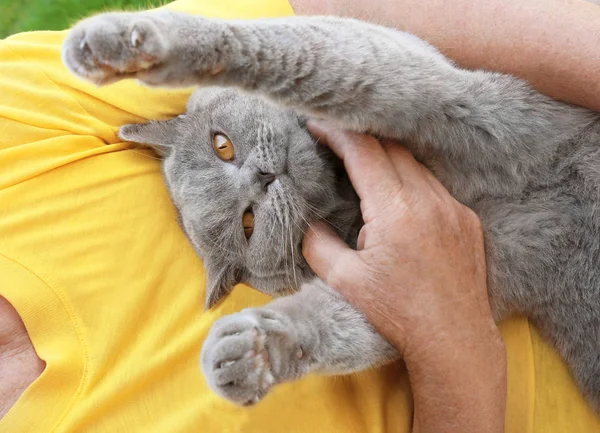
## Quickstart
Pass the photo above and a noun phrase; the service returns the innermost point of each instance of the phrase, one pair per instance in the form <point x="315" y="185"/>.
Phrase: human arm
<point x="551" y="44"/>
<point x="19" y="364"/>
<point x="419" y="277"/>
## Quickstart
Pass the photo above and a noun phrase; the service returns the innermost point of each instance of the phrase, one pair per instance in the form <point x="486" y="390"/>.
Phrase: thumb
<point x="330" y="257"/>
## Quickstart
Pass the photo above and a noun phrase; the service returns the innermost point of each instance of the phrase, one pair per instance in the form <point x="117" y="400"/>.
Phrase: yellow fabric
<point x="111" y="293"/>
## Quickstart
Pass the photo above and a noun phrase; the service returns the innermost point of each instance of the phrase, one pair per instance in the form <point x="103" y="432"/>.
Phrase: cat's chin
<point x="281" y="283"/>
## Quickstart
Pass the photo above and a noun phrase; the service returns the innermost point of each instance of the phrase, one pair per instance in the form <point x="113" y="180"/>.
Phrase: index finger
<point x="369" y="168"/>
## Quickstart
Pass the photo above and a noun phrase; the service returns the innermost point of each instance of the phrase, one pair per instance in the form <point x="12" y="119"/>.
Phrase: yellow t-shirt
<point x="111" y="293"/>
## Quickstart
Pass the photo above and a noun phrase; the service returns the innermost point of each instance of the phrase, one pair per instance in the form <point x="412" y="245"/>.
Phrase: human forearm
<point x="552" y="44"/>
<point x="456" y="366"/>
<point x="460" y="387"/>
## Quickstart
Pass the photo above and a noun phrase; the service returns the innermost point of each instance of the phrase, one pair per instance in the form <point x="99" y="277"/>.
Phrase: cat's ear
<point x="219" y="283"/>
<point x="158" y="134"/>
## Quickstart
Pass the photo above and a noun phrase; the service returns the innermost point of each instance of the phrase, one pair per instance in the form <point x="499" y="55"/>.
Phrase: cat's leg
<point x="314" y="330"/>
<point x="364" y="77"/>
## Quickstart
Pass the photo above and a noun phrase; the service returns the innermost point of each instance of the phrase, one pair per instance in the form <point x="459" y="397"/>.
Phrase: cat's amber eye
<point x="223" y="146"/>
<point x="248" y="223"/>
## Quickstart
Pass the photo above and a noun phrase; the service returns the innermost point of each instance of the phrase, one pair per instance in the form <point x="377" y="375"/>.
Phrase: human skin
<point x="19" y="364"/>
<point x="552" y="44"/>
<point x="419" y="276"/>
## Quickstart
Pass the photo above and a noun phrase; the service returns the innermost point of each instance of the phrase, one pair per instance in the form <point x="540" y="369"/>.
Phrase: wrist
<point x="452" y="377"/>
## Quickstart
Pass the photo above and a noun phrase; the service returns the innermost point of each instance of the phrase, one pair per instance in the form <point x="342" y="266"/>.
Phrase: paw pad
<point x="247" y="353"/>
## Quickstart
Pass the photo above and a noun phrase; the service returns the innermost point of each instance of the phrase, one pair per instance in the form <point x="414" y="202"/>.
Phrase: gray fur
<point x="528" y="165"/>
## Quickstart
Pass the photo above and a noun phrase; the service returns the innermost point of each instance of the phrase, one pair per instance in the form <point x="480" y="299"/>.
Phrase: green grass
<point x="25" y="15"/>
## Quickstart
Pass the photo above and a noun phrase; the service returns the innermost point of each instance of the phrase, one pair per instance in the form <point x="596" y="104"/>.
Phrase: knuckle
<point x="392" y="201"/>
<point x="472" y="219"/>
<point x="470" y="216"/>
<point x="443" y="210"/>
<point x="394" y="195"/>
<point x="438" y="207"/>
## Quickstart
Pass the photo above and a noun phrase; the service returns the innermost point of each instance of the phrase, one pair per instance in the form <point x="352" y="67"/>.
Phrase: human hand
<point x="419" y="272"/>
<point x="419" y="276"/>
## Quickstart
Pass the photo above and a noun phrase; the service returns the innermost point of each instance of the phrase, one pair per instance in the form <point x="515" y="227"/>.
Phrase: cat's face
<point x="247" y="178"/>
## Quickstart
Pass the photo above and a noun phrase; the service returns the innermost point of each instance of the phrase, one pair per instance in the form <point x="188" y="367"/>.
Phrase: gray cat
<point x="247" y="178"/>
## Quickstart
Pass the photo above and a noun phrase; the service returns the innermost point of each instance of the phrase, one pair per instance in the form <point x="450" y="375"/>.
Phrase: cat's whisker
<point x="273" y="223"/>
<point x="307" y="226"/>
<point x="323" y="218"/>
<point x="280" y="217"/>
<point x="318" y="212"/>
<point x="316" y="234"/>
<point x="289" y="219"/>
<point x="293" y="259"/>
<point x="218" y="244"/>
<point x="298" y="211"/>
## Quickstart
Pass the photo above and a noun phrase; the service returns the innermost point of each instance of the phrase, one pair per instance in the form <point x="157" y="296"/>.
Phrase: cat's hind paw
<point x="113" y="46"/>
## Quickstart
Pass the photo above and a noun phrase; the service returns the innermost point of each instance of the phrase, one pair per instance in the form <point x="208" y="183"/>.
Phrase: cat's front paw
<point x="113" y="46"/>
<point x="247" y="353"/>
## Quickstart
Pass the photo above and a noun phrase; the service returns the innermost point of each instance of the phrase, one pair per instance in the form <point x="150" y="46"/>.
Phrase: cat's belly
<point x="542" y="249"/>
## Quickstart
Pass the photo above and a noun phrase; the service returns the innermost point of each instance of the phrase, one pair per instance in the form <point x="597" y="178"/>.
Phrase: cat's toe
<point x="113" y="46"/>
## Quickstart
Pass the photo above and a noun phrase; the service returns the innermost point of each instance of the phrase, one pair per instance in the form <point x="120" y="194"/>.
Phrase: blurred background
<point x="25" y="15"/>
